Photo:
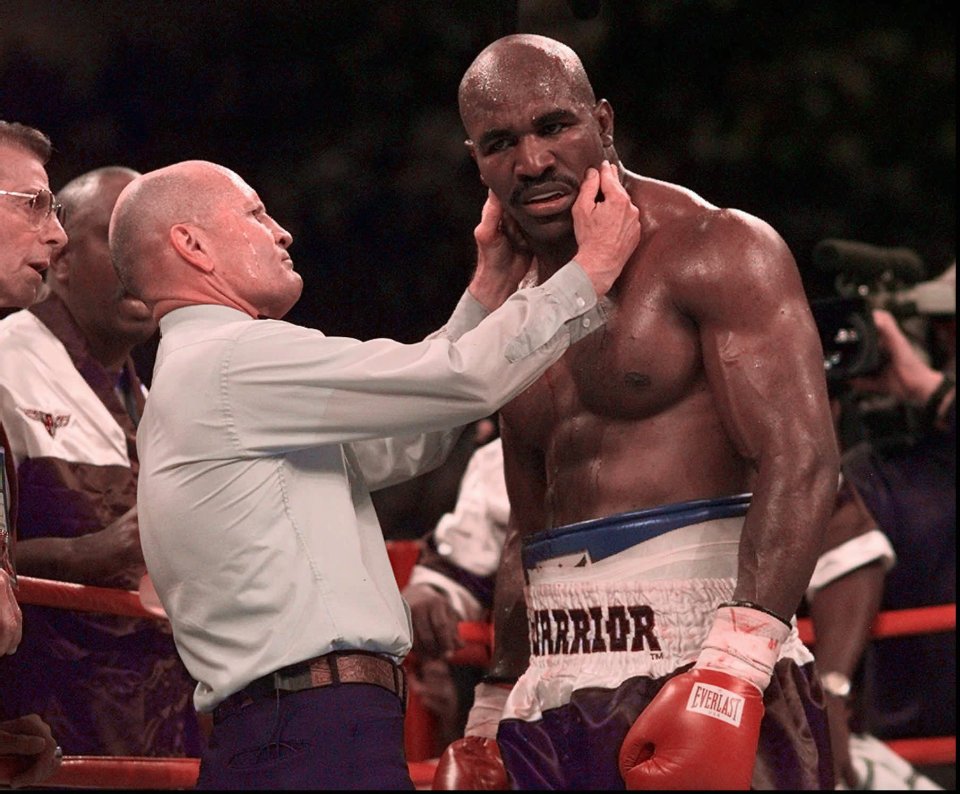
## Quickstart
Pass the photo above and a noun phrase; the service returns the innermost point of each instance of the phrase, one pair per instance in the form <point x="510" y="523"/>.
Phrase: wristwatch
<point x="836" y="684"/>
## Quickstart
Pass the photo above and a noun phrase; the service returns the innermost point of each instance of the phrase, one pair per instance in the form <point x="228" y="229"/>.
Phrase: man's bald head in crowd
<point x="195" y="233"/>
<point x="78" y="194"/>
<point x="151" y="205"/>
<point x="82" y="274"/>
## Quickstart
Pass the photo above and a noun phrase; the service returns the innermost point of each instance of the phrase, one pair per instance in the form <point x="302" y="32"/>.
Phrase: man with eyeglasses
<point x="71" y="399"/>
<point x="40" y="203"/>
<point x="30" y="234"/>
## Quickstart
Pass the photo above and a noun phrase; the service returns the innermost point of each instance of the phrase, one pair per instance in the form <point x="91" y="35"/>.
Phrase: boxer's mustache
<point x="530" y="183"/>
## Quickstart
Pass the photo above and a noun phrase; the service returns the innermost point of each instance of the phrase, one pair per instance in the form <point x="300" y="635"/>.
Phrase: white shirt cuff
<point x="854" y="553"/>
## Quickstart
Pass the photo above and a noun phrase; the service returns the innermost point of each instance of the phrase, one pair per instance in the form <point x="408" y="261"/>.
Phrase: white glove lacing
<point x="744" y="642"/>
<point x="488" y="703"/>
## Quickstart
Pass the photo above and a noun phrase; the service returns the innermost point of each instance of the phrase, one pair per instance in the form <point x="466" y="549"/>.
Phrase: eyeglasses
<point x="41" y="204"/>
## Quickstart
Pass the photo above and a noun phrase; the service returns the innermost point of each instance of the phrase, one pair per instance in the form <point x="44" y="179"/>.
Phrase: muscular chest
<point x="642" y="361"/>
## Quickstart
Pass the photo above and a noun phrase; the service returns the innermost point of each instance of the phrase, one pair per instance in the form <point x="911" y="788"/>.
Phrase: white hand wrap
<point x="484" y="717"/>
<point x="744" y="642"/>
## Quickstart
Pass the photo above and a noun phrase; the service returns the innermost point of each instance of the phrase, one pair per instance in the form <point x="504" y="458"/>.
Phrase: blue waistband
<point x="603" y="537"/>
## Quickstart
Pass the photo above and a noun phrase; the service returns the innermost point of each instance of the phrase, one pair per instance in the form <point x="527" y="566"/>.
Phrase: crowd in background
<point x="830" y="124"/>
<point x="823" y="119"/>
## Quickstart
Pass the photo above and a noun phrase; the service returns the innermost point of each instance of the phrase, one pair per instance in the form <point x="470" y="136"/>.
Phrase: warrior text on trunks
<point x="594" y="630"/>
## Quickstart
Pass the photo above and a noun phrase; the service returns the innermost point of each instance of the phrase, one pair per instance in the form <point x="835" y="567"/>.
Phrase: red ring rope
<point x="900" y="622"/>
<point x="173" y="773"/>
<point x="121" y="772"/>
<point x="88" y="598"/>
<point x="80" y="597"/>
<point x="132" y="772"/>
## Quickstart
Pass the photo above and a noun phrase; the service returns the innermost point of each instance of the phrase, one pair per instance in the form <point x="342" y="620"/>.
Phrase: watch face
<point x="836" y="684"/>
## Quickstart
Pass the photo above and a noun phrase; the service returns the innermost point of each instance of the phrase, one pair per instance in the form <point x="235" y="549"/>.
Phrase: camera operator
<point x="891" y="544"/>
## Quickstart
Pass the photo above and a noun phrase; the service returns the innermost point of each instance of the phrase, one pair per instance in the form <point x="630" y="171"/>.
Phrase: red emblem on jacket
<point x="51" y="422"/>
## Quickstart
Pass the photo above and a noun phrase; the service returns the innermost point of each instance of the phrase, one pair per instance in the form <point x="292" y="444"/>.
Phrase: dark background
<point x="825" y="118"/>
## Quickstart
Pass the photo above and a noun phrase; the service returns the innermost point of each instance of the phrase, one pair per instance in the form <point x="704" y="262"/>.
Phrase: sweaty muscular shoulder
<point x="625" y="419"/>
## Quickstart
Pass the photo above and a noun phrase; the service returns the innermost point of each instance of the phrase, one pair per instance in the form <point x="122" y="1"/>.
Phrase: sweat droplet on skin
<point x="252" y="272"/>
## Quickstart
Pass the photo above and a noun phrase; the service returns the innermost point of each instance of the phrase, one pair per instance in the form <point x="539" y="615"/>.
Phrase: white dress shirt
<point x="260" y="444"/>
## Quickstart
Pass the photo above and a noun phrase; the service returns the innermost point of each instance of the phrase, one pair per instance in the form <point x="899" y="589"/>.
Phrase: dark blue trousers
<point x="347" y="736"/>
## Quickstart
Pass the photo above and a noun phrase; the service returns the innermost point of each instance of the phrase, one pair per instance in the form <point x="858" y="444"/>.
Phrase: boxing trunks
<point x="615" y="607"/>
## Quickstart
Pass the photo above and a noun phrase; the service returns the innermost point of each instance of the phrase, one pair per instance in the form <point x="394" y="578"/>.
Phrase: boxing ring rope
<point x="115" y="772"/>
<point x="128" y="772"/>
<point x="899" y="622"/>
<point x="81" y="597"/>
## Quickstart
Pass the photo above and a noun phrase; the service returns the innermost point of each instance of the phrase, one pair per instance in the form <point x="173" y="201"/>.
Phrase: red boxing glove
<point x="471" y="763"/>
<point x="702" y="729"/>
<point x="700" y="732"/>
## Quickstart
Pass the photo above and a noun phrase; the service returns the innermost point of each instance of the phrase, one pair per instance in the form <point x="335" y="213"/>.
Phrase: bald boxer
<point x="669" y="480"/>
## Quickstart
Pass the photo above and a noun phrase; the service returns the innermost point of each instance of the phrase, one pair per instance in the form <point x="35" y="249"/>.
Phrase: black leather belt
<point x="338" y="667"/>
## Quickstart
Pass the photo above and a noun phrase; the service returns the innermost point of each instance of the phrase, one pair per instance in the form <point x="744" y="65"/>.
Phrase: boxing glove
<point x="474" y="761"/>
<point x="702" y="728"/>
<point x="471" y="763"/>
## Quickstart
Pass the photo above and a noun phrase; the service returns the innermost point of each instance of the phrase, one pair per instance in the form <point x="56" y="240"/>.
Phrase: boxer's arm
<point x="764" y="368"/>
<point x="474" y="761"/>
<point x="525" y="474"/>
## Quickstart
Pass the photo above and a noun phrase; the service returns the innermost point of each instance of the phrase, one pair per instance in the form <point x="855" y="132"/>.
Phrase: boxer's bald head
<point x="534" y="128"/>
<point x="522" y="64"/>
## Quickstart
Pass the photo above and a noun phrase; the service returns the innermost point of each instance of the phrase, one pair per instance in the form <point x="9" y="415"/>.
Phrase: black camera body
<point x="851" y="346"/>
<point x="867" y="277"/>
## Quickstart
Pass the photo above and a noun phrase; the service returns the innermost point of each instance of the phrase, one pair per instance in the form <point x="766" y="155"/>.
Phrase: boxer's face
<point x="28" y="239"/>
<point x="533" y="141"/>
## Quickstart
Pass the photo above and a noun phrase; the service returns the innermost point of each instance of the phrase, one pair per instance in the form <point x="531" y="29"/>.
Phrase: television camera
<point x="868" y="277"/>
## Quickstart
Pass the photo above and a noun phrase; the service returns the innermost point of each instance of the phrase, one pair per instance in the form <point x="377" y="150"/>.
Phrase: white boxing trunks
<point x="615" y="607"/>
<point x="628" y="595"/>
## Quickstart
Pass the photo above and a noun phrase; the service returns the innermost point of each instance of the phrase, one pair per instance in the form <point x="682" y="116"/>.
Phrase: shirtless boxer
<point x="669" y="480"/>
